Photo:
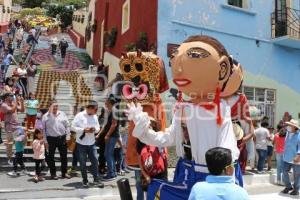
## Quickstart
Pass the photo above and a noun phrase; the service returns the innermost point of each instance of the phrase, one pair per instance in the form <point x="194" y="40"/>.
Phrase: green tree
<point x="77" y="3"/>
<point x="33" y="3"/>
<point x="64" y="13"/>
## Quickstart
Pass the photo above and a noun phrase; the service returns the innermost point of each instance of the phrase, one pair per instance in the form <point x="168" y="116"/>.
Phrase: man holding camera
<point x="10" y="106"/>
<point x="86" y="125"/>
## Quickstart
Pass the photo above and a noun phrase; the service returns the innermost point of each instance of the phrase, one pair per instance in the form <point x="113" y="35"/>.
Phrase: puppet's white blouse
<point x="203" y="130"/>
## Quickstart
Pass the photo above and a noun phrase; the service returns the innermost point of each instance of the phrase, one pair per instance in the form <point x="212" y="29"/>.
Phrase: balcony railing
<point x="286" y="22"/>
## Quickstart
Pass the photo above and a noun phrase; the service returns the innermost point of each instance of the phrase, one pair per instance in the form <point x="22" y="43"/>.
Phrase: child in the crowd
<point x="38" y="154"/>
<point x="146" y="177"/>
<point x="18" y="159"/>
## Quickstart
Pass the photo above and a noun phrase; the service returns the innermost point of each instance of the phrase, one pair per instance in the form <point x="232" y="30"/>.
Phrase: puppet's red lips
<point x="181" y="82"/>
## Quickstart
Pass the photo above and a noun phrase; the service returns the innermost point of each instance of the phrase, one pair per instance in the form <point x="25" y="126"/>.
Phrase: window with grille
<point x="238" y="3"/>
<point x="264" y="99"/>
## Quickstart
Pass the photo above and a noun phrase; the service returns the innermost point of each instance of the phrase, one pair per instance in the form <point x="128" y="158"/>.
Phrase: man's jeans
<point x="109" y="156"/>
<point x="296" y="172"/>
<point x="262" y="155"/>
<point x="89" y="151"/>
<point x="4" y="69"/>
<point x="279" y="166"/>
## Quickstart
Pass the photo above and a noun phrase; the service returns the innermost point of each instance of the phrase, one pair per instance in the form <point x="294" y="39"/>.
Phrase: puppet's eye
<point x="197" y="52"/>
<point x="139" y="67"/>
<point x="127" y="68"/>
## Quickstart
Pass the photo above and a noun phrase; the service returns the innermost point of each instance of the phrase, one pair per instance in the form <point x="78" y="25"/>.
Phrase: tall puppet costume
<point x="144" y="79"/>
<point x="202" y="70"/>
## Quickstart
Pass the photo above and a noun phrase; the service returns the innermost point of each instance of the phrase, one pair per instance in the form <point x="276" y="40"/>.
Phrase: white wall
<point x="78" y="26"/>
<point x="90" y="44"/>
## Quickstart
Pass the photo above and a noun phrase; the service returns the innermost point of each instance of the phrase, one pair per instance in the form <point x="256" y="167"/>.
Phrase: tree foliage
<point x="30" y="11"/>
<point x="64" y="14"/>
<point x="32" y="3"/>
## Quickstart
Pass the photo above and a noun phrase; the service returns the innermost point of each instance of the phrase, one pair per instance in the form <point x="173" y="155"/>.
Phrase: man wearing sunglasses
<point x="220" y="183"/>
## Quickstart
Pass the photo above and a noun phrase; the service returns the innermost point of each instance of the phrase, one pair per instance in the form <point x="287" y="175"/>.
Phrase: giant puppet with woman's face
<point x="207" y="76"/>
<point x="201" y="66"/>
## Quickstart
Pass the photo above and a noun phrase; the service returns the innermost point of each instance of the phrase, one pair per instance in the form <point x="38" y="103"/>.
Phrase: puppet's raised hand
<point x="133" y="110"/>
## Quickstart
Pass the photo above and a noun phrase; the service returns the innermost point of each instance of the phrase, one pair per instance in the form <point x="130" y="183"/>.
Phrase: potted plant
<point x="131" y="47"/>
<point x="142" y="42"/>
<point x="112" y="37"/>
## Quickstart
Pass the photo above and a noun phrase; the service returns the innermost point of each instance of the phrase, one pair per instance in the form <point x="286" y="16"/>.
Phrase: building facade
<point x="123" y="25"/>
<point x="78" y="31"/>
<point x="263" y="35"/>
<point x="5" y="12"/>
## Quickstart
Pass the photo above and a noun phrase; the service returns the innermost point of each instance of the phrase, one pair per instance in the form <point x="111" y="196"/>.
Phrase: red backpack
<point x="153" y="161"/>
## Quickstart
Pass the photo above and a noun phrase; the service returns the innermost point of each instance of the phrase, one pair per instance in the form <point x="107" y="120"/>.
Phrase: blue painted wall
<point x="238" y="30"/>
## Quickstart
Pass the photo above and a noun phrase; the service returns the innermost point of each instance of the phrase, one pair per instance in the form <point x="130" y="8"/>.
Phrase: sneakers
<point x="71" y="170"/>
<point x="98" y="183"/>
<point x="286" y="190"/>
<point x="13" y="173"/>
<point x="109" y="178"/>
<point x="85" y="183"/>
<point x="294" y="193"/>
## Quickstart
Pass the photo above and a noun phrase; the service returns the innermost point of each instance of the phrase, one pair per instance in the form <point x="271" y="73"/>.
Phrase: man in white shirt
<point x="86" y="125"/>
<point x="262" y="135"/>
<point x="33" y="31"/>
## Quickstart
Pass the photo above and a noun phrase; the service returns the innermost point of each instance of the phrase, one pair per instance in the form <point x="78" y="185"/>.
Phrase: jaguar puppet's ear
<point x="124" y="54"/>
<point x="139" y="53"/>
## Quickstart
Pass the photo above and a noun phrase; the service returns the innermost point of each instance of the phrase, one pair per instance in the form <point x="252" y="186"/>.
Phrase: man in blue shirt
<point x="220" y="183"/>
<point x="6" y="61"/>
<point x="291" y="158"/>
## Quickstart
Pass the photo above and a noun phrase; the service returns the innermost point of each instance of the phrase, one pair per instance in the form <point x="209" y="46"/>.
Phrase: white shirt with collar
<point x="81" y="121"/>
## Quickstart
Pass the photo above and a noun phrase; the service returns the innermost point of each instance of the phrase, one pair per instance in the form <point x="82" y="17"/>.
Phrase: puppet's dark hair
<point x="209" y="40"/>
